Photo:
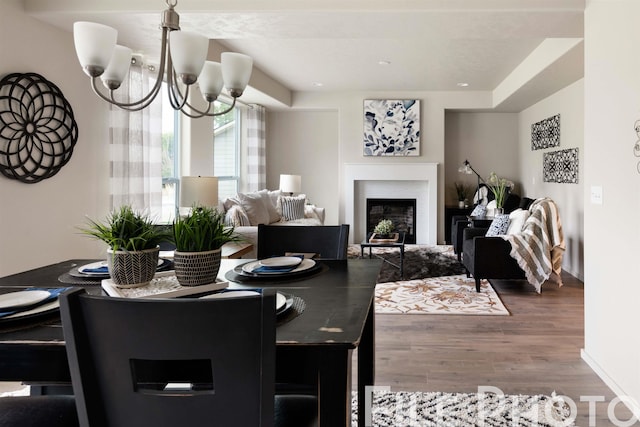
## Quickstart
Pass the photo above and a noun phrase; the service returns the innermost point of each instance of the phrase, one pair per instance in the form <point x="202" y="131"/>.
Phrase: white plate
<point x="83" y="269"/>
<point x="281" y="300"/>
<point x="280" y="261"/>
<point x="250" y="266"/>
<point x="231" y="294"/>
<point x="50" y="306"/>
<point x="22" y="298"/>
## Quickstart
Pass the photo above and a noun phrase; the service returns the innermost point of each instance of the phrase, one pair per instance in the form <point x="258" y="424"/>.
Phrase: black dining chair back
<point x="171" y="362"/>
<point x="325" y="241"/>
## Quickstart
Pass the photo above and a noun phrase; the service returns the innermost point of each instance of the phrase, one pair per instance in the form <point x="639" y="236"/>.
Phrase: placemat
<point x="296" y="310"/>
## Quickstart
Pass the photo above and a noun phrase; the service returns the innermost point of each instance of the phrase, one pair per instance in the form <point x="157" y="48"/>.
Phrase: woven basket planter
<point x="196" y="268"/>
<point x="130" y="269"/>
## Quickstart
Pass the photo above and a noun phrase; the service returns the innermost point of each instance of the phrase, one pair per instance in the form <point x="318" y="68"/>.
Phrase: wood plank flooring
<point x="536" y="350"/>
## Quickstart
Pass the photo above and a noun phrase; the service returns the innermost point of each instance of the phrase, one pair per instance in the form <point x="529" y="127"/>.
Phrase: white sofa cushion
<point x="517" y="218"/>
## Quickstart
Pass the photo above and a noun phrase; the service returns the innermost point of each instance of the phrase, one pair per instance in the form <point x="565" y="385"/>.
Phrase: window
<point x="170" y="159"/>
<point x="226" y="159"/>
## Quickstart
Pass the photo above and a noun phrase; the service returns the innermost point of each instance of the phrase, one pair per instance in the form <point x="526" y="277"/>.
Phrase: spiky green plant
<point x="202" y="230"/>
<point x="128" y="230"/>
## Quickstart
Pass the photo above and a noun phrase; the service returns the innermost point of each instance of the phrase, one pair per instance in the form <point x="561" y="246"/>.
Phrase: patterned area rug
<point x="435" y="409"/>
<point x="438" y="295"/>
<point x="420" y="261"/>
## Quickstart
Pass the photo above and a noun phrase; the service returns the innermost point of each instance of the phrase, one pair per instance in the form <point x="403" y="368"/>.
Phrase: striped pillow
<point x="291" y="207"/>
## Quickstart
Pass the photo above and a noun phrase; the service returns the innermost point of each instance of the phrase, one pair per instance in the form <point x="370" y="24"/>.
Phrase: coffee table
<point x="399" y="244"/>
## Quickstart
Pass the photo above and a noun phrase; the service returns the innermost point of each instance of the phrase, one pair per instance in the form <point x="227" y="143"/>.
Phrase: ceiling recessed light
<point x="463" y="84"/>
<point x="384" y="62"/>
<point x="318" y="84"/>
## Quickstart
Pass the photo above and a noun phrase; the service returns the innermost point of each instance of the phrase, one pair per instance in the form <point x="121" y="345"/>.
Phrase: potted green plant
<point x="199" y="237"/>
<point x="462" y="191"/>
<point x="383" y="229"/>
<point x="133" y="242"/>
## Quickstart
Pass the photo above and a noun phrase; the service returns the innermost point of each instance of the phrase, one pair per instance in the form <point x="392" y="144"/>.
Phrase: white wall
<point x="38" y="221"/>
<point x="612" y="230"/>
<point x="569" y="103"/>
<point x="305" y="143"/>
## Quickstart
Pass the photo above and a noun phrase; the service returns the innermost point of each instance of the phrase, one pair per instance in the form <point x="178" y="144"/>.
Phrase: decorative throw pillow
<point x="270" y="199"/>
<point x="291" y="207"/>
<point x="517" y="219"/>
<point x="479" y="211"/>
<point x="255" y="207"/>
<point x="498" y="226"/>
<point x="236" y="217"/>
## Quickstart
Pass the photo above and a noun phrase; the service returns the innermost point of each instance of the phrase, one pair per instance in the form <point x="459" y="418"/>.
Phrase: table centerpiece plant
<point x="500" y="188"/>
<point x="199" y="237"/>
<point x="383" y="229"/>
<point x="133" y="242"/>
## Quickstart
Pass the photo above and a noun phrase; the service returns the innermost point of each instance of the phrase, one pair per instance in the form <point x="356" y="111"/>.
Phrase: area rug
<point x="420" y="261"/>
<point x="436" y="409"/>
<point x="438" y="295"/>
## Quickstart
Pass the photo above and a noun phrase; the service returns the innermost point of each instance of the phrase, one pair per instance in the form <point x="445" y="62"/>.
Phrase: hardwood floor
<point x="536" y="350"/>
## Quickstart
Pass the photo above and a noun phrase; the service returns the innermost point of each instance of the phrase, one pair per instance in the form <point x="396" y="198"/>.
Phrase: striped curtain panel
<point x="256" y="147"/>
<point x="136" y="138"/>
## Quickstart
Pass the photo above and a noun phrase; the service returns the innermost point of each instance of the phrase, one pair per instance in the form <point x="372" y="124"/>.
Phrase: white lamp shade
<point x="290" y="183"/>
<point x="188" y="52"/>
<point x="200" y="190"/>
<point x="119" y="65"/>
<point x="236" y="70"/>
<point x="94" y="43"/>
<point x="210" y="79"/>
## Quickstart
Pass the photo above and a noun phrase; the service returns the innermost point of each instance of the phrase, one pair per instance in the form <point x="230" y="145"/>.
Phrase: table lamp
<point x="290" y="184"/>
<point x="201" y="190"/>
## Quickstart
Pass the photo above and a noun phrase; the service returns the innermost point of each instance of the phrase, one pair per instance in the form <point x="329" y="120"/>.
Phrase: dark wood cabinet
<point x="449" y="212"/>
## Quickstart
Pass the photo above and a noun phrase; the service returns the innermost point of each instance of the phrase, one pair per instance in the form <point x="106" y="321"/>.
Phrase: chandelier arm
<point x="176" y="99"/>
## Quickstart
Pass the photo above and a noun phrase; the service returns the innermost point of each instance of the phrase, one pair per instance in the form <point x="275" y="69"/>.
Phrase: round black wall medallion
<point x="37" y="128"/>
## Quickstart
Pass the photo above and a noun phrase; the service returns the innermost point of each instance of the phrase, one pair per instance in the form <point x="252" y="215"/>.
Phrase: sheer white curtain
<point x="256" y="147"/>
<point x="136" y="140"/>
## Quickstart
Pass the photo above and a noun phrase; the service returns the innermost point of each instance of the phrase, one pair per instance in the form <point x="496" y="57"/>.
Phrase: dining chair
<point x="38" y="411"/>
<point x="325" y="241"/>
<point x="181" y="361"/>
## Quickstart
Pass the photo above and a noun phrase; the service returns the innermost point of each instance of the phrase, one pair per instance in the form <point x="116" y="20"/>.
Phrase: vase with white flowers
<point x="500" y="188"/>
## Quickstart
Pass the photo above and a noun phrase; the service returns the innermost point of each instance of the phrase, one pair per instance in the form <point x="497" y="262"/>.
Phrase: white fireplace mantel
<point x="415" y="180"/>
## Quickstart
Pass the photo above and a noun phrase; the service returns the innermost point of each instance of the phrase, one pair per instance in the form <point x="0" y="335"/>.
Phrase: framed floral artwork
<point x="392" y="127"/>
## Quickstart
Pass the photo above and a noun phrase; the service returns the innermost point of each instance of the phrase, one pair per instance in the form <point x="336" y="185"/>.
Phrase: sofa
<point x="525" y="244"/>
<point x="245" y="211"/>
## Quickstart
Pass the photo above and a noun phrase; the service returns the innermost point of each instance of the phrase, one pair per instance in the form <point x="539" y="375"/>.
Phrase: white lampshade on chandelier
<point x="182" y="59"/>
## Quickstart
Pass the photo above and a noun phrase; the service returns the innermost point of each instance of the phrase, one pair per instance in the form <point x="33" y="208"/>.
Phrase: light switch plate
<point x="596" y="194"/>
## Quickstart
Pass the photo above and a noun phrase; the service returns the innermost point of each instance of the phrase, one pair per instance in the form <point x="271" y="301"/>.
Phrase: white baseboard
<point x="632" y="404"/>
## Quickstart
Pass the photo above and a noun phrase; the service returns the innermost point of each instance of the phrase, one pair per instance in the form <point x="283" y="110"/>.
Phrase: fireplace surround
<point x="392" y="180"/>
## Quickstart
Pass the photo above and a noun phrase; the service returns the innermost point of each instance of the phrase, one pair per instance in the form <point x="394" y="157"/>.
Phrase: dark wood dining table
<point x="314" y="345"/>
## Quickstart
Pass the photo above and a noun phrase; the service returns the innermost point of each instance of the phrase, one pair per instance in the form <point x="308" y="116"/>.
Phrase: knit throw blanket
<point x="539" y="248"/>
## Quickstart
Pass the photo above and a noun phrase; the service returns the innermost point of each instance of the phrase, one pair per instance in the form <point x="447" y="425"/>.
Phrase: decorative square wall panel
<point x="391" y="127"/>
<point x="560" y="166"/>
<point x="546" y="133"/>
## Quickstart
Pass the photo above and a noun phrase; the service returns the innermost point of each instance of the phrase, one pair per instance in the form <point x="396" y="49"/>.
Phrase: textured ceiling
<point x="431" y="45"/>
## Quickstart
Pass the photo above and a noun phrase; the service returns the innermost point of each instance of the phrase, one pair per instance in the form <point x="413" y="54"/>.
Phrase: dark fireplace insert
<point x="401" y="212"/>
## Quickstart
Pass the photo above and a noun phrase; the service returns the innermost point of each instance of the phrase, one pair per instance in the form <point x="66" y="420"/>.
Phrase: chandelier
<point x="182" y="61"/>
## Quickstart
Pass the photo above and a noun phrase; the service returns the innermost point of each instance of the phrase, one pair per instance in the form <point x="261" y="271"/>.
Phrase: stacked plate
<point x="28" y="303"/>
<point x="276" y="266"/>
<point x="99" y="270"/>
<point x="283" y="302"/>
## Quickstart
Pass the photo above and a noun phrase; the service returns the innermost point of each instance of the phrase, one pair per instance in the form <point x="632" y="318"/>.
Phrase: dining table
<point x="331" y="316"/>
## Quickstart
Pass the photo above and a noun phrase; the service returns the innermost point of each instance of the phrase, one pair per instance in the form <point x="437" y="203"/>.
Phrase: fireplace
<point x="391" y="180"/>
<point x="401" y="212"/>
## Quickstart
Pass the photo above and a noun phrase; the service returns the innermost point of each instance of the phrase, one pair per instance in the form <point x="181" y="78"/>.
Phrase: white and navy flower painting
<point x="391" y="127"/>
